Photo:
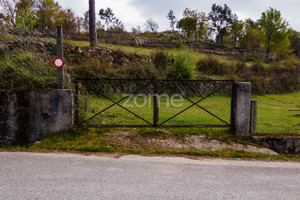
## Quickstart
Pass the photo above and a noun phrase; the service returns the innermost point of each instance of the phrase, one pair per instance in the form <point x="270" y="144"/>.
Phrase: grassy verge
<point x="95" y="141"/>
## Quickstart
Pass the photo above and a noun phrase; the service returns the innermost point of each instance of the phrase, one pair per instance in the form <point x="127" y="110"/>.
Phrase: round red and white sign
<point x="58" y="62"/>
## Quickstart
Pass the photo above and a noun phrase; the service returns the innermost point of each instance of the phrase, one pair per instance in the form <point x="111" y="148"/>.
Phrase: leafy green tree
<point x="295" y="41"/>
<point x="24" y="4"/>
<point x="274" y="32"/>
<point x="188" y="25"/>
<point x="25" y="20"/>
<point x="172" y="18"/>
<point x="69" y="22"/>
<point x="237" y="33"/>
<point x="251" y="39"/>
<point x="25" y="16"/>
<point x="193" y="23"/>
<point x="48" y="14"/>
<point x="221" y="19"/>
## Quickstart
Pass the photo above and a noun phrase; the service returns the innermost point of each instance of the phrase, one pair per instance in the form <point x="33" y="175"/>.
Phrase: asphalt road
<point x="69" y="176"/>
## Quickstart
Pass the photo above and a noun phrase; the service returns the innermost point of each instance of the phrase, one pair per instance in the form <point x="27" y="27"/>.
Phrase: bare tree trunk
<point x="92" y="23"/>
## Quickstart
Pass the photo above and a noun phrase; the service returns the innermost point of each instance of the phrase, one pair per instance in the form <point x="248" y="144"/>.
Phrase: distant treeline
<point x="270" y="34"/>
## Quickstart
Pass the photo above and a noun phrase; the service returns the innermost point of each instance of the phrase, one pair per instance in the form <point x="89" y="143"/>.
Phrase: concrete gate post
<point x="240" y="109"/>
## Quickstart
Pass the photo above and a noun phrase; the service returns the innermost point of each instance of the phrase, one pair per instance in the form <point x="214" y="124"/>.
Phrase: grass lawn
<point x="278" y="114"/>
<point x="143" y="107"/>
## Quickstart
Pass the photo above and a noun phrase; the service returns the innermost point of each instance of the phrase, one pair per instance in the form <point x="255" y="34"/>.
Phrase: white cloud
<point x="128" y="14"/>
<point x="135" y="12"/>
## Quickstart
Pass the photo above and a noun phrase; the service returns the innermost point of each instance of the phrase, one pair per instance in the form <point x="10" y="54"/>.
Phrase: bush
<point x="259" y="70"/>
<point x="161" y="60"/>
<point x="95" y="68"/>
<point x="182" y="68"/>
<point x="212" y="66"/>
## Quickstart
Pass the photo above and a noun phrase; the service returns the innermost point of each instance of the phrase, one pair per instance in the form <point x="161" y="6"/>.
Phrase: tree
<point x="47" y="14"/>
<point x="69" y="22"/>
<point x="110" y="20"/>
<point x="237" y="32"/>
<point x="107" y="16"/>
<point x="151" y="25"/>
<point x="24" y="4"/>
<point x="117" y="25"/>
<point x="251" y="38"/>
<point x="9" y="10"/>
<point x="221" y="19"/>
<point x="295" y="41"/>
<point x="274" y="31"/>
<point x="188" y="25"/>
<point x="85" y="24"/>
<point x="25" y="15"/>
<point x="4" y="22"/>
<point x="172" y="19"/>
<point x="194" y="22"/>
<point x="79" y="24"/>
<point x="92" y="24"/>
<point x="25" y="20"/>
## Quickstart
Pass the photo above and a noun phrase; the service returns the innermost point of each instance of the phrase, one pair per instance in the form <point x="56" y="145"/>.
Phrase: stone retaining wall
<point x="286" y="145"/>
<point x="26" y="116"/>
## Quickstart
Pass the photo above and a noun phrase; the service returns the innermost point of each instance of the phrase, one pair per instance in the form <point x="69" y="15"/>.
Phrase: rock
<point x="160" y="131"/>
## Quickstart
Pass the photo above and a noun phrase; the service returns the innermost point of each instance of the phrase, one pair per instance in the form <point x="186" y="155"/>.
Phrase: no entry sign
<point x="58" y="62"/>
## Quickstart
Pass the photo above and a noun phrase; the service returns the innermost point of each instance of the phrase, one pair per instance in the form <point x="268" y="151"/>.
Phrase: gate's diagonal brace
<point x="102" y="111"/>
<point x="117" y="103"/>
<point x="196" y="103"/>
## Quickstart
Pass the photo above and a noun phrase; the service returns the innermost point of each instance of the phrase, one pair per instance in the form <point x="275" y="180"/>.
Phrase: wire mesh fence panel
<point x="195" y="103"/>
<point x="26" y="59"/>
<point x="276" y="115"/>
<point x="125" y="103"/>
<point x="115" y="102"/>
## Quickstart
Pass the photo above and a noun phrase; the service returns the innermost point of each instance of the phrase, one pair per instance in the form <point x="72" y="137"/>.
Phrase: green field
<point x="278" y="113"/>
<point x="218" y="105"/>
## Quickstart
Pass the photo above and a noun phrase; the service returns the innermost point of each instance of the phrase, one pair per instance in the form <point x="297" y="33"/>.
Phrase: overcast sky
<point x="134" y="13"/>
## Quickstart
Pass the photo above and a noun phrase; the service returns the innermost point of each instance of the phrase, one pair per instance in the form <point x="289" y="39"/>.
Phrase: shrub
<point x="212" y="66"/>
<point x="208" y="66"/>
<point x="90" y="70"/>
<point x="139" y="70"/>
<point x="161" y="60"/>
<point x="182" y="68"/>
<point x="258" y="69"/>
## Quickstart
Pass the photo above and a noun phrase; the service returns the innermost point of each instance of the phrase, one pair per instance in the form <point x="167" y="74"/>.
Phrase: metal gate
<point x="153" y="103"/>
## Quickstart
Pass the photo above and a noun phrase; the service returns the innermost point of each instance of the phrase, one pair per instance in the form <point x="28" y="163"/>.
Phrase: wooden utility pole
<point x="59" y="50"/>
<point x="92" y="23"/>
